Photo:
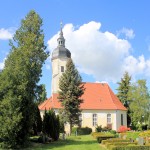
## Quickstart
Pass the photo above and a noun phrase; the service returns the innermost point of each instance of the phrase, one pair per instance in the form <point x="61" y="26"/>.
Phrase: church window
<point x="94" y="119"/>
<point x="62" y="68"/>
<point x="108" y="118"/>
<point x="121" y="119"/>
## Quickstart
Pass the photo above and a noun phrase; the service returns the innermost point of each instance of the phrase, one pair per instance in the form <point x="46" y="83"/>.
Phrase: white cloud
<point x="101" y="54"/>
<point x="129" y="33"/>
<point x="6" y="34"/>
<point x="1" y="66"/>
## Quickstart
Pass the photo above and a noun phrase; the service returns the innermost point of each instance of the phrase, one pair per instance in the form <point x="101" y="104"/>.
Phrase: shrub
<point x="106" y="129"/>
<point x="97" y="134"/>
<point x="145" y="133"/>
<point x="114" y="140"/>
<point x="129" y="147"/>
<point x="104" y="137"/>
<point x="84" y="131"/>
<point x="112" y="131"/>
<point x="123" y="129"/>
<point x="98" y="128"/>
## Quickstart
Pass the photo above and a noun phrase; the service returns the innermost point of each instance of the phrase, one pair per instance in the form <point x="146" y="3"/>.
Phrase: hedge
<point x="136" y="147"/>
<point x="81" y="131"/>
<point x="104" y="137"/>
<point x="113" y="140"/>
<point x="99" y="134"/>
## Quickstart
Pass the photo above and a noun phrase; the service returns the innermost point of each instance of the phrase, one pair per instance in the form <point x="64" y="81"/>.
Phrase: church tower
<point x="60" y="56"/>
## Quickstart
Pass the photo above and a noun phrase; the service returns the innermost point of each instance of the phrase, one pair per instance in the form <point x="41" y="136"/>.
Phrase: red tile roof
<point x="96" y="96"/>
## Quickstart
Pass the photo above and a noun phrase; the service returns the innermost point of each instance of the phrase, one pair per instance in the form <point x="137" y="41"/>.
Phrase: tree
<point x="140" y="101"/>
<point x="19" y="78"/>
<point x="51" y="125"/>
<point x="41" y="94"/>
<point x="71" y="90"/>
<point x="37" y="123"/>
<point x="123" y="94"/>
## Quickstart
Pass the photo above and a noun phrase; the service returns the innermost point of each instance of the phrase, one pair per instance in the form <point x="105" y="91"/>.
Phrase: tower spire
<point x="61" y="39"/>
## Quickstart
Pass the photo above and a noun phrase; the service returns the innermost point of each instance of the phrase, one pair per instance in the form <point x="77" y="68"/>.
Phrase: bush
<point x="112" y="131"/>
<point x="105" y="129"/>
<point x="98" y="134"/>
<point x="98" y="128"/>
<point x="84" y="131"/>
<point x="114" y="140"/>
<point x="104" y="137"/>
<point x="123" y="129"/>
<point x="145" y="133"/>
<point x="129" y="147"/>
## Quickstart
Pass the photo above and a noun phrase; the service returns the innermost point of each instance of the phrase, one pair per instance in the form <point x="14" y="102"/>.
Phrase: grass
<point x="86" y="142"/>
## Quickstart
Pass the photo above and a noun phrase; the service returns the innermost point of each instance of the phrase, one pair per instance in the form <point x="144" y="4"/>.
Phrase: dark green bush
<point x="104" y="137"/>
<point x="84" y="131"/>
<point x="98" y="128"/>
<point x="112" y="131"/>
<point x="105" y="129"/>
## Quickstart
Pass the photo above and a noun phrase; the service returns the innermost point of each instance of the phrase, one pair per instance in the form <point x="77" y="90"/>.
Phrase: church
<point x="100" y="105"/>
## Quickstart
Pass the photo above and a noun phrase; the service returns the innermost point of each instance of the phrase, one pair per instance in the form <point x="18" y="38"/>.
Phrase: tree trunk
<point x="70" y="127"/>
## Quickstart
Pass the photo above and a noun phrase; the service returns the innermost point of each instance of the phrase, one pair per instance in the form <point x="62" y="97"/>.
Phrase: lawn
<point x="71" y="143"/>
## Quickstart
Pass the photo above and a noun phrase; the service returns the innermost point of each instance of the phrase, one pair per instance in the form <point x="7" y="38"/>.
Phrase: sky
<point x="105" y="37"/>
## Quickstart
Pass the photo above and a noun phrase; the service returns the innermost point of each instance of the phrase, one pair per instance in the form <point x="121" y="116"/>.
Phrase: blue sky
<point x="105" y="37"/>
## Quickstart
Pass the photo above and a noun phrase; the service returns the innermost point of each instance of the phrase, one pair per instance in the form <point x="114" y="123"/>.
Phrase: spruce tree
<point x="71" y="90"/>
<point x="19" y="78"/>
<point x="123" y="94"/>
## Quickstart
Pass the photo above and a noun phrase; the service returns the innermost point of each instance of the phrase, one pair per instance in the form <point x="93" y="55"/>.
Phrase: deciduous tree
<point x="140" y="101"/>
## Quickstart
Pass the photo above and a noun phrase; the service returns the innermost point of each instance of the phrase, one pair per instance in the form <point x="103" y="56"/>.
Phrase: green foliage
<point x="98" y="128"/>
<point x="84" y="131"/>
<point x="41" y="94"/>
<point x="102" y="134"/>
<point x="51" y="125"/>
<point x="130" y="147"/>
<point x="123" y="94"/>
<point x="37" y="120"/>
<point x="19" y="78"/>
<point x="71" y="90"/>
<point x="104" y="137"/>
<point x="140" y="102"/>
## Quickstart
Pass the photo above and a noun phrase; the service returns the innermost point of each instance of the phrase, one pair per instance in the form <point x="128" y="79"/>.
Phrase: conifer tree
<point x="19" y="78"/>
<point x="51" y="125"/>
<point x="71" y="90"/>
<point x="37" y="123"/>
<point x="123" y="94"/>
